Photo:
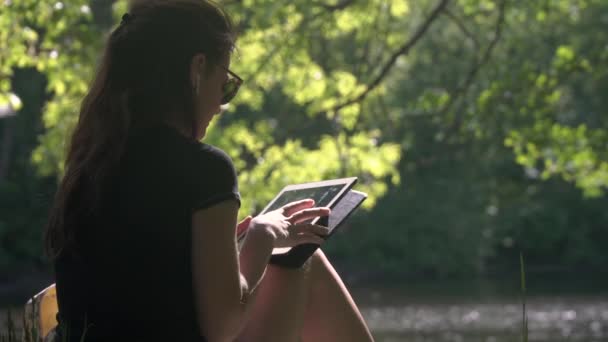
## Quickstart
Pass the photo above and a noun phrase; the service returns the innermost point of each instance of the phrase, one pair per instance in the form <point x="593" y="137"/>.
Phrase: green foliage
<point x="464" y="207"/>
<point x="467" y="123"/>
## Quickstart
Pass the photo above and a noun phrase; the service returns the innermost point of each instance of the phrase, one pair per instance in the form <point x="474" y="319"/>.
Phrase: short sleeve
<point x="214" y="178"/>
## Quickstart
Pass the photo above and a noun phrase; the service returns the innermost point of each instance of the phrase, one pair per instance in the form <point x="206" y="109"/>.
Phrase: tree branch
<point x="458" y="22"/>
<point x="367" y="47"/>
<point x="265" y="62"/>
<point x="337" y="7"/>
<point x="477" y="65"/>
<point x="393" y="58"/>
<point x="277" y="47"/>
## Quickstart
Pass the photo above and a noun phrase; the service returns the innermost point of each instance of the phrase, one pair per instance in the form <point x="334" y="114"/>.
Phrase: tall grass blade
<point x="10" y="327"/>
<point x="524" y="326"/>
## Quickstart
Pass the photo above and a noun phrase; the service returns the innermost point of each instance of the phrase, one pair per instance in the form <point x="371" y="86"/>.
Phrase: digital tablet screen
<point x="340" y="212"/>
<point x="324" y="193"/>
<point x="322" y="196"/>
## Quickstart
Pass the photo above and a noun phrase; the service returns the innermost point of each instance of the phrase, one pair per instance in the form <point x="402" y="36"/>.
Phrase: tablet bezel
<point x="347" y="184"/>
<point x="296" y="256"/>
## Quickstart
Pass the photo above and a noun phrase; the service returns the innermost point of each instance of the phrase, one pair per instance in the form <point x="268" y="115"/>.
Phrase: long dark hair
<point x="143" y="76"/>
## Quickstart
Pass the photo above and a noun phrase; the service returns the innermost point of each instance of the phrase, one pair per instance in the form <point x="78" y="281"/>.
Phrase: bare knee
<point x="318" y="257"/>
<point x="316" y="260"/>
<point x="321" y="269"/>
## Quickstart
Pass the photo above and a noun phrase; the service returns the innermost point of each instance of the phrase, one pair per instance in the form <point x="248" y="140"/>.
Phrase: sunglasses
<point x="231" y="87"/>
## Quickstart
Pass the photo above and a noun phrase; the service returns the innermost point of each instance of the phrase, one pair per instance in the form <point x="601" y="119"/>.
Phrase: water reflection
<point x="549" y="319"/>
<point x="481" y="310"/>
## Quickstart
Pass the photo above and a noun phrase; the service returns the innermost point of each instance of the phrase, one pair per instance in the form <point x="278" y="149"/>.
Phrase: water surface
<point x="487" y="310"/>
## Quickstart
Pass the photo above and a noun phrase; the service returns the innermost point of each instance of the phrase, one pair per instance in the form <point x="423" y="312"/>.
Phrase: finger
<point x="246" y="219"/>
<point x="309" y="238"/>
<point x="243" y="225"/>
<point x="306" y="214"/>
<point x="290" y="208"/>
<point x="309" y="228"/>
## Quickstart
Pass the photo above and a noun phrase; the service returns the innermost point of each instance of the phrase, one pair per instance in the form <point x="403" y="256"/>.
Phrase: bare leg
<point x="279" y="308"/>
<point x="310" y="303"/>
<point x="332" y="314"/>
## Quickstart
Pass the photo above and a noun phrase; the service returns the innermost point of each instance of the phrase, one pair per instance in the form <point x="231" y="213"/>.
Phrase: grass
<point x="29" y="331"/>
<point x="524" y="323"/>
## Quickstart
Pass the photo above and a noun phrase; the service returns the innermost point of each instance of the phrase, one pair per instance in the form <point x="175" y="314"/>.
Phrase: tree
<point x="432" y="91"/>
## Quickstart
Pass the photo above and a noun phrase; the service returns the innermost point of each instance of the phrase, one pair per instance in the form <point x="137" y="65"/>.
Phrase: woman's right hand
<point x="284" y="226"/>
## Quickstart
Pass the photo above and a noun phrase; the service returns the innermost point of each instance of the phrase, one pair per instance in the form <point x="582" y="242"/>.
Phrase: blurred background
<point x="479" y="128"/>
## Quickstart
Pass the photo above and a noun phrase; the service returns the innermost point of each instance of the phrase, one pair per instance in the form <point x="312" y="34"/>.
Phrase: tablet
<point x="325" y="193"/>
<point x="335" y="194"/>
<point x="344" y="208"/>
<point x="296" y="256"/>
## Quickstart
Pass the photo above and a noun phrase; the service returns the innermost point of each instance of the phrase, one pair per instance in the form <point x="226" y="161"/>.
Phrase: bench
<point x="41" y="311"/>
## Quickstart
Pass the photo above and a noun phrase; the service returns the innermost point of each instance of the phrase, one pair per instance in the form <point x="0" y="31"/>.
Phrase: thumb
<point x="247" y="219"/>
<point x="243" y="225"/>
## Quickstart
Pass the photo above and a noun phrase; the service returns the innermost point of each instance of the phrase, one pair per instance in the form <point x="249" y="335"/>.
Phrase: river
<point x="549" y="319"/>
<point x="559" y="309"/>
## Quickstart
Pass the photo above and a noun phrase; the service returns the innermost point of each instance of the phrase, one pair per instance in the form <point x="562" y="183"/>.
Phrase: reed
<point x="524" y="323"/>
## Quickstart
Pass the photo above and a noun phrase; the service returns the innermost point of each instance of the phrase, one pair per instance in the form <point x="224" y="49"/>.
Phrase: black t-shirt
<point x="131" y="278"/>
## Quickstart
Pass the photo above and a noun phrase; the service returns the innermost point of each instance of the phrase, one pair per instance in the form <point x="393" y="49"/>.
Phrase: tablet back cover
<point x="298" y="255"/>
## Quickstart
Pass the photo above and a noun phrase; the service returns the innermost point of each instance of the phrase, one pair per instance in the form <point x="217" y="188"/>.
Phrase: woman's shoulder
<point x="214" y="153"/>
<point x="162" y="138"/>
<point x="160" y="152"/>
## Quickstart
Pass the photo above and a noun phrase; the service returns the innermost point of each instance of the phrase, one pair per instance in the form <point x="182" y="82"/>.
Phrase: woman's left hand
<point x="243" y="225"/>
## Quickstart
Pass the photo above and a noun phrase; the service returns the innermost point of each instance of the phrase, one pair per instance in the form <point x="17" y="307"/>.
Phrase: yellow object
<point x="42" y="309"/>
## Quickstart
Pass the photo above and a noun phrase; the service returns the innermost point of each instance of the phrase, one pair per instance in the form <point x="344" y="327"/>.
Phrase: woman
<point x="142" y="231"/>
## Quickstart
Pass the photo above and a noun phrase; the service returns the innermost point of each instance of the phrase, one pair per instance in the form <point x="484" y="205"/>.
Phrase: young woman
<point x="142" y="231"/>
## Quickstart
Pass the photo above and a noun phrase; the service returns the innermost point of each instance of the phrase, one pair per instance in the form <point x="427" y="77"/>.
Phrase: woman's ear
<point x="197" y="65"/>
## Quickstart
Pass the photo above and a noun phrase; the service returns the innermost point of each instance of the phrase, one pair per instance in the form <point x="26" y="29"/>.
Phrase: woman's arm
<point x="219" y="286"/>
<point x="254" y="257"/>
<point x="223" y="294"/>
